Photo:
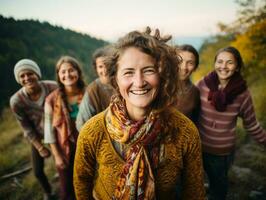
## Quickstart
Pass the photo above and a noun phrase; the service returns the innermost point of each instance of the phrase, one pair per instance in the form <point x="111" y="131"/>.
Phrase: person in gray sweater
<point x="27" y="105"/>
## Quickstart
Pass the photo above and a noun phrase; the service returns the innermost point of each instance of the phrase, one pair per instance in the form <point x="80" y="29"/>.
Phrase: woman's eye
<point x="149" y="71"/>
<point x="191" y="63"/>
<point x="128" y="73"/>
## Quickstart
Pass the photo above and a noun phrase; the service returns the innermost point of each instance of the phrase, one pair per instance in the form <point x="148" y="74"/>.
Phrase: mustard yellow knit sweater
<point x="98" y="165"/>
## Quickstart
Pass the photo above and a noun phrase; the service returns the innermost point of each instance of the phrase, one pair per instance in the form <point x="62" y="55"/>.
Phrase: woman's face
<point x="137" y="79"/>
<point x="187" y="66"/>
<point x="225" y="66"/>
<point x="68" y="75"/>
<point x="101" y="70"/>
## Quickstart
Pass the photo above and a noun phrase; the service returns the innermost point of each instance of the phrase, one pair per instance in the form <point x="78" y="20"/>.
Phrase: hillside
<point x="43" y="43"/>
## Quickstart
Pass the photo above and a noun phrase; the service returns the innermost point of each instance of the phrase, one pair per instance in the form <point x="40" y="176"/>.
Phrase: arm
<point x="84" y="165"/>
<point x="193" y="174"/>
<point x="49" y="136"/>
<point x="250" y="122"/>
<point x="23" y="119"/>
<point x="26" y="125"/>
<point x="86" y="111"/>
<point x="60" y="162"/>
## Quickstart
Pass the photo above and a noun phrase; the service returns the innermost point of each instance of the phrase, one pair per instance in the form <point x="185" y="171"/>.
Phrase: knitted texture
<point x="218" y="129"/>
<point x="26" y="64"/>
<point x="98" y="165"/>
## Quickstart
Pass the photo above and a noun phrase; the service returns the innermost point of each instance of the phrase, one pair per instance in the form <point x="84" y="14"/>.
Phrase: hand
<point x="60" y="162"/>
<point x="157" y="35"/>
<point x="44" y="152"/>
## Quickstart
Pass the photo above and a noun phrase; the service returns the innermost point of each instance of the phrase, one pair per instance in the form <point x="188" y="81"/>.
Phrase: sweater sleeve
<point x="49" y="136"/>
<point x="193" y="176"/>
<point x="86" y="111"/>
<point x="22" y="118"/>
<point x="250" y="122"/>
<point x="84" y="165"/>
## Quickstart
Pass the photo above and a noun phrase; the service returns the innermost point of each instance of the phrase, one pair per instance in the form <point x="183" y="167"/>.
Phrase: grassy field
<point x="247" y="176"/>
<point x="15" y="155"/>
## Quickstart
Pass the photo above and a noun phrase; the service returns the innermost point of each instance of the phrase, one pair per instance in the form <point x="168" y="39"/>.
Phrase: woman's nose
<point x="223" y="65"/>
<point x="26" y="77"/>
<point x="183" y="65"/>
<point x="67" y="73"/>
<point x="139" y="80"/>
<point x="104" y="70"/>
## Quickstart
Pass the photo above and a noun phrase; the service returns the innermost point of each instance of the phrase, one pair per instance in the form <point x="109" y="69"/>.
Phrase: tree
<point x="252" y="45"/>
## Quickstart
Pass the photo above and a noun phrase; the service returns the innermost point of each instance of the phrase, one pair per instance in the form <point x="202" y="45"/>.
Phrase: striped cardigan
<point x="217" y="129"/>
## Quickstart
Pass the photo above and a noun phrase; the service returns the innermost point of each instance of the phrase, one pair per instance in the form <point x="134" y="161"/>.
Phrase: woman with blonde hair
<point x="139" y="147"/>
<point x="61" y="108"/>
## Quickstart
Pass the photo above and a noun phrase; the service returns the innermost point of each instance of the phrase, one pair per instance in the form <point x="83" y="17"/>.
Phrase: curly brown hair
<point x="165" y="62"/>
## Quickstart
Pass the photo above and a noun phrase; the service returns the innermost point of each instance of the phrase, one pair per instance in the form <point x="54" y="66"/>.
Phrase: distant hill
<point x="194" y="41"/>
<point x="44" y="44"/>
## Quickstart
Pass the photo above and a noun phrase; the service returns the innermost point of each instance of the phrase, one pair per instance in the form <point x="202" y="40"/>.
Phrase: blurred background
<point x="45" y="30"/>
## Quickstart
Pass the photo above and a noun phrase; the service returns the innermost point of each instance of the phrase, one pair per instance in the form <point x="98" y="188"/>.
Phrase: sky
<point x="110" y="19"/>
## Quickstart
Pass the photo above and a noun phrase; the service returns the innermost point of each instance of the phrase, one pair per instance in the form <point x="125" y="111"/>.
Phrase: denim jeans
<point x="216" y="168"/>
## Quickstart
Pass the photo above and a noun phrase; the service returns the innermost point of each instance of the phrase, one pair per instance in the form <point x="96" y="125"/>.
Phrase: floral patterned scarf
<point x="142" y="142"/>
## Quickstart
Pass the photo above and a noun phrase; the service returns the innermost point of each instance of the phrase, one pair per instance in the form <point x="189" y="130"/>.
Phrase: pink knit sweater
<point x="217" y="129"/>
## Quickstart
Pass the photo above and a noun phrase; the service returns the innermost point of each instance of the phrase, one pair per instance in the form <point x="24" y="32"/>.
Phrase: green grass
<point x="250" y="156"/>
<point x="250" y="159"/>
<point x="15" y="155"/>
<point x="13" y="147"/>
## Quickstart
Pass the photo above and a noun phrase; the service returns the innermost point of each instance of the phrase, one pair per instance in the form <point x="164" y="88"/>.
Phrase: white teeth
<point x="28" y="82"/>
<point x="139" y="92"/>
<point x="223" y="72"/>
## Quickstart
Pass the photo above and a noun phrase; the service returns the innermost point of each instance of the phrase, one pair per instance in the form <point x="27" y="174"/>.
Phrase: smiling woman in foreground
<point x="139" y="147"/>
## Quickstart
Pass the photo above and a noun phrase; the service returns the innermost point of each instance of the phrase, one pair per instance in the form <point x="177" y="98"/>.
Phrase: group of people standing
<point x="142" y="129"/>
<point x="48" y="111"/>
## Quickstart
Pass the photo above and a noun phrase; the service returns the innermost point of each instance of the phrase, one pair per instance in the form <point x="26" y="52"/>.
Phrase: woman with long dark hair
<point x="224" y="98"/>
<point x="61" y="109"/>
